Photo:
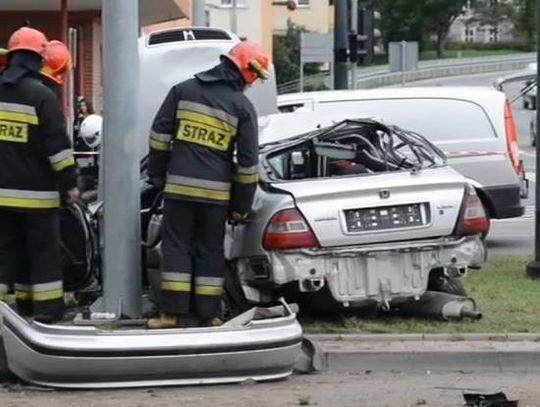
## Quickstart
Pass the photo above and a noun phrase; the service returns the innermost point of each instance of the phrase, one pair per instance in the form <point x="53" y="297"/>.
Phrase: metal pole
<point x="198" y="13"/>
<point x="234" y="17"/>
<point x="301" y="63"/>
<point x="533" y="268"/>
<point x="354" y="30"/>
<point x="64" y="26"/>
<point x="120" y="160"/>
<point x="403" y="61"/>
<point x="340" y="44"/>
<point x="70" y="112"/>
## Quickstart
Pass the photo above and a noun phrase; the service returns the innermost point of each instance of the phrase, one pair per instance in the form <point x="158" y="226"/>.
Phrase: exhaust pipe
<point x="443" y="305"/>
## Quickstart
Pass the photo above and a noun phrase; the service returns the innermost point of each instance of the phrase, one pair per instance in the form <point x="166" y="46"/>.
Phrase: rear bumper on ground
<point x="379" y="273"/>
<point x="88" y="357"/>
<point x="504" y="201"/>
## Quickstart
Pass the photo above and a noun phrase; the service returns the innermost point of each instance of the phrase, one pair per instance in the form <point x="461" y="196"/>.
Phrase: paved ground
<point x="328" y="389"/>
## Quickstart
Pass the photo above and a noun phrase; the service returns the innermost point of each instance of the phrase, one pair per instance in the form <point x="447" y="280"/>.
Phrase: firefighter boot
<point x="164" y="321"/>
<point x="210" y="322"/>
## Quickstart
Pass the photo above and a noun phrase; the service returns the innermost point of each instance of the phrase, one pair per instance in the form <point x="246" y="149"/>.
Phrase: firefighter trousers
<point x="30" y="261"/>
<point x="193" y="262"/>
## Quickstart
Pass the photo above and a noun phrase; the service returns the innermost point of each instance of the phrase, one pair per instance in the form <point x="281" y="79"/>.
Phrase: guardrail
<point x="377" y="76"/>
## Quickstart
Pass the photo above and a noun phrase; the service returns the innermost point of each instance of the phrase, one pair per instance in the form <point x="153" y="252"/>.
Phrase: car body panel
<point x="323" y="203"/>
<point x="480" y="154"/>
<point x="356" y="275"/>
<point x="90" y="357"/>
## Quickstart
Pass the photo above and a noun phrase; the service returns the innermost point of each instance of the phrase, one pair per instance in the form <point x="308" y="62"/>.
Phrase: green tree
<point x="415" y="20"/>
<point x="287" y="55"/>
<point x="524" y="20"/>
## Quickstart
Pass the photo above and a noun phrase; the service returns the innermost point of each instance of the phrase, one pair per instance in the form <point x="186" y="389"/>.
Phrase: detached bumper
<point x="87" y="357"/>
<point x="377" y="273"/>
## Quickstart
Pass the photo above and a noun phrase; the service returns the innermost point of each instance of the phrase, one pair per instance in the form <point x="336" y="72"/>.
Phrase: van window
<point x="435" y="119"/>
<point x="289" y="108"/>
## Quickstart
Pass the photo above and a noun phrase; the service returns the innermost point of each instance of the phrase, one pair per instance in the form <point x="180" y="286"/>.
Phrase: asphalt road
<point x="515" y="236"/>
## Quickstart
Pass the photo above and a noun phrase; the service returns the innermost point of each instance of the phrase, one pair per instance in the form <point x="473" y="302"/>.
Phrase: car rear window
<point x="435" y="119"/>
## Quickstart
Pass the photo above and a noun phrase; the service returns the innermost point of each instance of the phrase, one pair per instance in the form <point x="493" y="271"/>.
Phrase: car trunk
<point x="379" y="208"/>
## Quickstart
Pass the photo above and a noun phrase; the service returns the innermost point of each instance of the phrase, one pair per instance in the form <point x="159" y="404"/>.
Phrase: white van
<point x="472" y="125"/>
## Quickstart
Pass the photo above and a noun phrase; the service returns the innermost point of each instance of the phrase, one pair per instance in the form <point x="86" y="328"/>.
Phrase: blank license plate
<point x="387" y="217"/>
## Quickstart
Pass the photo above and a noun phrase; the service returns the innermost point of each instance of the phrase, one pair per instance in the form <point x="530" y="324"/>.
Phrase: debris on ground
<point x="488" y="400"/>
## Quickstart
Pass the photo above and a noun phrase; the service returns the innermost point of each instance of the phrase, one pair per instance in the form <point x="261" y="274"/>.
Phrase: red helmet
<point x="57" y="61"/>
<point x="28" y="39"/>
<point x="251" y="60"/>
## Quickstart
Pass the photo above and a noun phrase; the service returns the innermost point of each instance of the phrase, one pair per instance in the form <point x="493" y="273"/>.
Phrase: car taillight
<point x="511" y="137"/>
<point x="473" y="218"/>
<point x="288" y="230"/>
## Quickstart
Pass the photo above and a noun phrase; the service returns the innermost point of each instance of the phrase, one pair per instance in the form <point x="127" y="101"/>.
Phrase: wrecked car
<point x="350" y="214"/>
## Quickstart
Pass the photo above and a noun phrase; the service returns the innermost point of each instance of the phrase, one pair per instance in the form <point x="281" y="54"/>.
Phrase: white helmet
<point x="90" y="131"/>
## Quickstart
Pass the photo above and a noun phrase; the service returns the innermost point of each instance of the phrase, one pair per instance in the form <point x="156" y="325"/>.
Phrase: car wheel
<point x="525" y="104"/>
<point x="445" y="284"/>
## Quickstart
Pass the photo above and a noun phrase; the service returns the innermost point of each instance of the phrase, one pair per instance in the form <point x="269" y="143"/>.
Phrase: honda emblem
<point x="384" y="194"/>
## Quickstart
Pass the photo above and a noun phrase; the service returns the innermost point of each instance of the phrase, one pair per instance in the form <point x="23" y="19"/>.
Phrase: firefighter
<point x="36" y="166"/>
<point x="56" y="67"/>
<point x="199" y="125"/>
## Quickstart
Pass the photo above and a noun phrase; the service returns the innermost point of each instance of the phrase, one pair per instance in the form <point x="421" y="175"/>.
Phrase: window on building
<point x="493" y="35"/>
<point x="229" y="3"/>
<point x="469" y="34"/>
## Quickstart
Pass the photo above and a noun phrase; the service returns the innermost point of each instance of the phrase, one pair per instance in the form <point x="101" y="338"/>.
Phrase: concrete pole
<point x="340" y="44"/>
<point x="198" y="13"/>
<point x="533" y="268"/>
<point x="120" y="160"/>
<point x="234" y="17"/>
<point x="354" y="30"/>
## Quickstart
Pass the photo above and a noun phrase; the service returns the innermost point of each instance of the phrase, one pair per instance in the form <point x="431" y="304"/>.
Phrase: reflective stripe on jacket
<point x="199" y="126"/>
<point x="36" y="159"/>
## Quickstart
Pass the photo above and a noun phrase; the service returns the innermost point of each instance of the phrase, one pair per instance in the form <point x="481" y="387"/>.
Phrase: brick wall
<point x="87" y="80"/>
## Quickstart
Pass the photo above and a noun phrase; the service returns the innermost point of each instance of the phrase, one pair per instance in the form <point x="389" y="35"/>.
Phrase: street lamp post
<point x="120" y="160"/>
<point x="533" y="268"/>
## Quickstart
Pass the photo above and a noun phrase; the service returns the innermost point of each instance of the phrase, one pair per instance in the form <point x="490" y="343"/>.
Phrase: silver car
<point x="351" y="214"/>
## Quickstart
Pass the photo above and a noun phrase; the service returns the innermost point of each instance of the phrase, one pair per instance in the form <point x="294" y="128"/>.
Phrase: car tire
<point x="445" y="284"/>
<point x="525" y="104"/>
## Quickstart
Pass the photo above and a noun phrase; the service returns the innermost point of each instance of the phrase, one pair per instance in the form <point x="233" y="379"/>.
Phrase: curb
<point x="500" y="337"/>
<point x="432" y="362"/>
<point x="429" y="353"/>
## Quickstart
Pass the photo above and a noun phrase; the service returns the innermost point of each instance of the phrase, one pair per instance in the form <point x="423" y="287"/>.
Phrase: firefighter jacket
<point x="199" y="127"/>
<point x="36" y="159"/>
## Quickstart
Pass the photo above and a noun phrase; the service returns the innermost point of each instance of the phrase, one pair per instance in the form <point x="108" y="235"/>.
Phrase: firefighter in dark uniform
<point x="36" y="165"/>
<point x="199" y="126"/>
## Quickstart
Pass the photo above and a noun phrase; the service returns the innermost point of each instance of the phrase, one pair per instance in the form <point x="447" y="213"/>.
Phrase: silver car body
<point x="467" y="123"/>
<point x="90" y="357"/>
<point x="382" y="266"/>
